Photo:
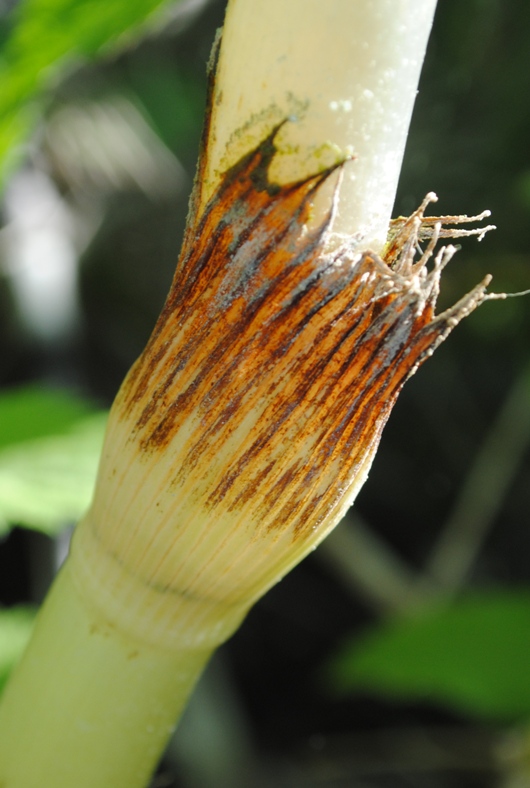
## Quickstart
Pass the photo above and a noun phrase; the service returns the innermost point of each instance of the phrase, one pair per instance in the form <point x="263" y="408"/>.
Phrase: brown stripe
<point x="263" y="323"/>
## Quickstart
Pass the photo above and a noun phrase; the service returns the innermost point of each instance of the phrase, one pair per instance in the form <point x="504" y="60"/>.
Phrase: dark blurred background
<point x="444" y="508"/>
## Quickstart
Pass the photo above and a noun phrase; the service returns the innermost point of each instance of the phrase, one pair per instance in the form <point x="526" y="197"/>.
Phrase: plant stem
<point x="250" y="422"/>
<point x="346" y="72"/>
<point x="90" y="705"/>
<point x="97" y="693"/>
<point x="484" y="489"/>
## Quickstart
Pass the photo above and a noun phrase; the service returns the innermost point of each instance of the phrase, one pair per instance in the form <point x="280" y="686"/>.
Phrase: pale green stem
<point x="346" y="73"/>
<point x="106" y="675"/>
<point x="90" y="706"/>
<point x="116" y="654"/>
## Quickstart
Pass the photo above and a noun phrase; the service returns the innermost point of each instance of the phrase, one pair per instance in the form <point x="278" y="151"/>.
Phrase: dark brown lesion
<point x="315" y="344"/>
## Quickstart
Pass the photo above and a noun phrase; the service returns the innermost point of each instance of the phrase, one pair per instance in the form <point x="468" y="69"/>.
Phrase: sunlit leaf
<point x="472" y="655"/>
<point x="49" y="449"/>
<point x="42" y="36"/>
<point x="36" y="412"/>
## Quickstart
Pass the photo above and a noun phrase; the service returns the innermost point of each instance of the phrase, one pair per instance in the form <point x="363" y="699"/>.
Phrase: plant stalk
<point x="208" y="493"/>
<point x="90" y="705"/>
<point x="346" y="72"/>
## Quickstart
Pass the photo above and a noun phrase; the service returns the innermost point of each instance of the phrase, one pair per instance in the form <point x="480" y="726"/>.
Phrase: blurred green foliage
<point x="39" y="38"/>
<point x="32" y="412"/>
<point x="50" y="443"/>
<point x="471" y="654"/>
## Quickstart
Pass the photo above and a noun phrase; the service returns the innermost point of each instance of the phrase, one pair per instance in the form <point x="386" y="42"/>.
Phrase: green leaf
<point x="35" y="412"/>
<point x="42" y="36"/>
<point x="473" y="655"/>
<point x="50" y="444"/>
<point x="16" y="624"/>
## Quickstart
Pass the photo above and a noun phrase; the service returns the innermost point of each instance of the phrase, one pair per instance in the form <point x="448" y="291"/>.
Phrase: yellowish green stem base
<point x="90" y="706"/>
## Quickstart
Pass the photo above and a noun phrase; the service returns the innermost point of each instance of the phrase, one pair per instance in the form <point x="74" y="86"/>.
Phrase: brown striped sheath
<point x="261" y="396"/>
